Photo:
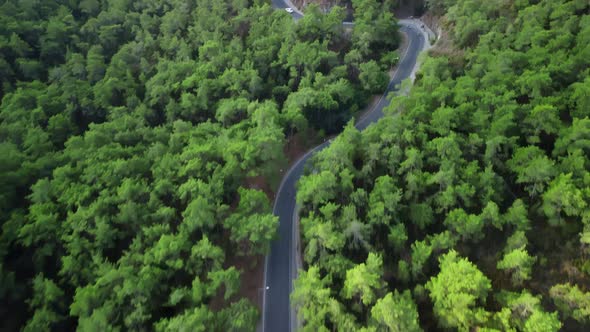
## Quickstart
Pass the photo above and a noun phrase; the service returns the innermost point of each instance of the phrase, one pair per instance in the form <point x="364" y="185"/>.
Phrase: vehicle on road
<point x="289" y="10"/>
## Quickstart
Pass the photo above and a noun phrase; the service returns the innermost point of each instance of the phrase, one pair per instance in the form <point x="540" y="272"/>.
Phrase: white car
<point x="289" y="10"/>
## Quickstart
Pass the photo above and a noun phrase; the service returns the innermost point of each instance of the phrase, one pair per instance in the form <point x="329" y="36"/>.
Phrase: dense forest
<point x="134" y="138"/>
<point x="467" y="207"/>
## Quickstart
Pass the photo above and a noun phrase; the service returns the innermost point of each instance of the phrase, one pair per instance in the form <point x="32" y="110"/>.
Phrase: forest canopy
<point x="131" y="134"/>
<point x="467" y="206"/>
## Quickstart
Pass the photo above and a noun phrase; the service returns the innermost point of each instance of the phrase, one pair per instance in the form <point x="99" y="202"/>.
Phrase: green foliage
<point x="571" y="301"/>
<point x="372" y="78"/>
<point x="421" y="252"/>
<point x="398" y="236"/>
<point x="252" y="224"/>
<point x="486" y="157"/>
<point x="562" y="198"/>
<point x="518" y="263"/>
<point x="542" y="322"/>
<point x="375" y="27"/>
<point x="457" y="291"/>
<point x="135" y="139"/>
<point x="322" y="239"/>
<point x="421" y="215"/>
<point x="240" y="316"/>
<point x="47" y="303"/>
<point x="383" y="201"/>
<point x="317" y="188"/>
<point x="312" y="297"/>
<point x="533" y="168"/>
<point x="523" y="311"/>
<point x="364" y="280"/>
<point x="132" y="134"/>
<point x="191" y="320"/>
<point x="464" y="225"/>
<point x="396" y="312"/>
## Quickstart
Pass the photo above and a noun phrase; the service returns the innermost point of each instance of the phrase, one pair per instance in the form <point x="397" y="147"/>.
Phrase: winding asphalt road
<point x="280" y="265"/>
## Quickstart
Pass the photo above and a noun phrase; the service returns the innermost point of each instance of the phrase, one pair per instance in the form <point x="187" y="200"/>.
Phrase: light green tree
<point x="533" y="169"/>
<point x="562" y="198"/>
<point x="312" y="295"/>
<point x="372" y="78"/>
<point x="396" y="312"/>
<point x="457" y="291"/>
<point x="571" y="301"/>
<point x="519" y="264"/>
<point x="364" y="280"/>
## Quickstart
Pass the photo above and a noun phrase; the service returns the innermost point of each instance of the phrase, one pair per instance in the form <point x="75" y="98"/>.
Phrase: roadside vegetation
<point x="131" y="132"/>
<point x="467" y="206"/>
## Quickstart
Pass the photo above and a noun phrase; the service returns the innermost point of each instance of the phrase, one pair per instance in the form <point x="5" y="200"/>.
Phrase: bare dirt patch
<point x="432" y="21"/>
<point x="296" y="147"/>
<point x="298" y="144"/>
<point x="445" y="47"/>
<point x="260" y="183"/>
<point x="252" y="268"/>
<point x="252" y="275"/>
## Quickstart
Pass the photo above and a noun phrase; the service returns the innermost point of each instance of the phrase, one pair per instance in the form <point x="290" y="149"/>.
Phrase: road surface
<point x="280" y="269"/>
<point x="282" y="4"/>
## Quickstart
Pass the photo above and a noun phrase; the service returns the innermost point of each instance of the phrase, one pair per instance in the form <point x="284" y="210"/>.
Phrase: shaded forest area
<point x="129" y="133"/>
<point x="467" y="206"/>
<point x="401" y="8"/>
